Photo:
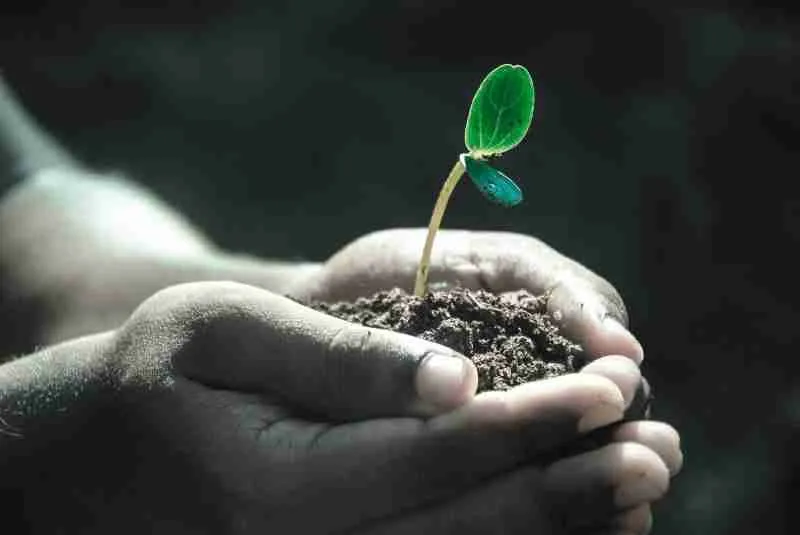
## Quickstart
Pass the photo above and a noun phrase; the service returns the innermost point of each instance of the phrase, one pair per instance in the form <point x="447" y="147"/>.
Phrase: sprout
<point x="499" y="117"/>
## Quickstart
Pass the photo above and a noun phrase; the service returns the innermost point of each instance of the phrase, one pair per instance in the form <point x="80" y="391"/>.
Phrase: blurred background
<point x="663" y="155"/>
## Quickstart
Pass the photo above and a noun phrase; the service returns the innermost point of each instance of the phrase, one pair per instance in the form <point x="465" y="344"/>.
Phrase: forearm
<point x="79" y="252"/>
<point x="117" y="286"/>
<point x="24" y="147"/>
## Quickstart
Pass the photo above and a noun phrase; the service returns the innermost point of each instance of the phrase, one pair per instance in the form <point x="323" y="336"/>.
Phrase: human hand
<point x="587" y="307"/>
<point x="230" y="409"/>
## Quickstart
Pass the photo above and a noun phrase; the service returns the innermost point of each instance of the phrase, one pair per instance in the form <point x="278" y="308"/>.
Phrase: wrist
<point x="277" y="276"/>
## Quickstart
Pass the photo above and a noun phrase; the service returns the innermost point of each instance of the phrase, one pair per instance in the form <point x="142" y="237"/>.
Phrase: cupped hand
<point x="587" y="307"/>
<point x="235" y="410"/>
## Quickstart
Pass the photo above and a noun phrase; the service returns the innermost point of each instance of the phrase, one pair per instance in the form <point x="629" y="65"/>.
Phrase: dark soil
<point x="510" y="338"/>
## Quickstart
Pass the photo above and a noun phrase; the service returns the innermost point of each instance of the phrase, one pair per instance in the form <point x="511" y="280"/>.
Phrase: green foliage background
<point x="662" y="154"/>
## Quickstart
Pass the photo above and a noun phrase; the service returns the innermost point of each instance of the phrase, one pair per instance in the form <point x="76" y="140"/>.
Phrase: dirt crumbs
<point x="510" y="337"/>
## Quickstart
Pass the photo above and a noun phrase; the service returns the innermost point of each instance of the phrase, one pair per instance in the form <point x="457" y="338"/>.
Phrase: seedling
<point x="498" y="119"/>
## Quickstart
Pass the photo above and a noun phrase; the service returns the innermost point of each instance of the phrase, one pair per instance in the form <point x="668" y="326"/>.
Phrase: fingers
<point x="539" y="421"/>
<point x="495" y="261"/>
<point x="528" y="421"/>
<point x="603" y="482"/>
<point x="624" y="373"/>
<point x="494" y="433"/>
<point x="660" y="437"/>
<point x="483" y="444"/>
<point x="586" y="306"/>
<point x="584" y="303"/>
<point x="243" y="338"/>
<point x="603" y="491"/>
<point x="585" y="314"/>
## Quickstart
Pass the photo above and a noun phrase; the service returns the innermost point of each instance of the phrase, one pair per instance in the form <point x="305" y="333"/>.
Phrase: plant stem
<point x="421" y="283"/>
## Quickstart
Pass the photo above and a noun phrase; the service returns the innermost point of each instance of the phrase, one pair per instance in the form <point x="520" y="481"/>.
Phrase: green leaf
<point x="494" y="184"/>
<point x="501" y="111"/>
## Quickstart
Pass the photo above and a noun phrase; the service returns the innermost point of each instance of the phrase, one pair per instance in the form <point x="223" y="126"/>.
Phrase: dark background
<point x="663" y="155"/>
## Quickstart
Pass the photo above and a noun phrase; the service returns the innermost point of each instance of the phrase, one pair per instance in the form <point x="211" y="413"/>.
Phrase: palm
<point x="359" y="476"/>
<point x="494" y="261"/>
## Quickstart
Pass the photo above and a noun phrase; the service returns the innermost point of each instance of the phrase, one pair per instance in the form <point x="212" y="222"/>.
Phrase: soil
<point x="510" y="337"/>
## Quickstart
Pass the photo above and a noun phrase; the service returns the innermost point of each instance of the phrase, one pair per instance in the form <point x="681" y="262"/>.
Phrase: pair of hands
<point x="220" y="407"/>
<point x="226" y="408"/>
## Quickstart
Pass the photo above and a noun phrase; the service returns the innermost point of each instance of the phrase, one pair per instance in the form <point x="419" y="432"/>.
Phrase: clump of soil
<point x="510" y="337"/>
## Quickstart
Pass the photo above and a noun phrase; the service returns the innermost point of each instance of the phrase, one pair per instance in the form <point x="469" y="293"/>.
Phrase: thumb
<point x="257" y="341"/>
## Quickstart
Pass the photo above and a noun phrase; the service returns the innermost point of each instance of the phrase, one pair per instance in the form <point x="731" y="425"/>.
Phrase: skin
<point x="168" y="401"/>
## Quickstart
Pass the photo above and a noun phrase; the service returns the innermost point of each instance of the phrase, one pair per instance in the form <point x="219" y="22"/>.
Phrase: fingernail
<point x="441" y="380"/>
<point x="628" y="344"/>
<point x="599" y="416"/>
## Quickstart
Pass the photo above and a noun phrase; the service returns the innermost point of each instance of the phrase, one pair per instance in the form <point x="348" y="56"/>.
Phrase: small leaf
<point x="495" y="186"/>
<point x="501" y="111"/>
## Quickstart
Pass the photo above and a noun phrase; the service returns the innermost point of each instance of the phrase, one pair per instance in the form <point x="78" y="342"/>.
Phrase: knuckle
<point x="612" y="301"/>
<point x="347" y="344"/>
<point x="597" y="388"/>
<point x="348" y="338"/>
<point x="578" y="297"/>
